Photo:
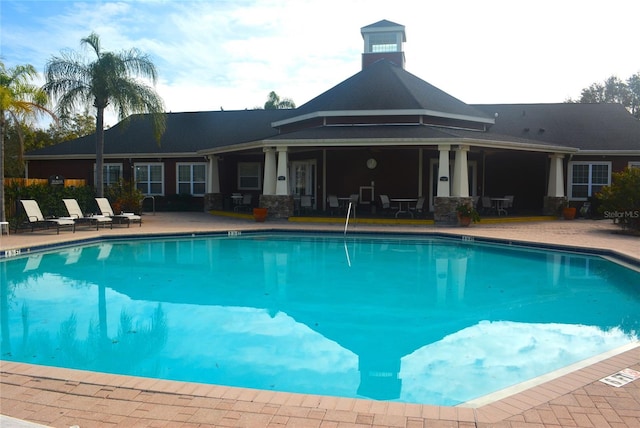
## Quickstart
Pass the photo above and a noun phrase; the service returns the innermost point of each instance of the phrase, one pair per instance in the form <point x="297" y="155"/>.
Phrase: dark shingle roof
<point x="410" y="134"/>
<point x="601" y="127"/>
<point x="386" y="86"/>
<point x="186" y="133"/>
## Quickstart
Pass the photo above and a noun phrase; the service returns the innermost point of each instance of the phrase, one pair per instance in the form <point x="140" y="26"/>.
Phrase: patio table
<point x="499" y="205"/>
<point x="405" y="201"/>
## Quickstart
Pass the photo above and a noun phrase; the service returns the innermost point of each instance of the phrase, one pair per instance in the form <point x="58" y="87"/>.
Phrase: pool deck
<point x="573" y="397"/>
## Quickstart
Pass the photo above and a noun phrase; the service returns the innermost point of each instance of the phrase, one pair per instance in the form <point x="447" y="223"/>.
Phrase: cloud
<point x="233" y="53"/>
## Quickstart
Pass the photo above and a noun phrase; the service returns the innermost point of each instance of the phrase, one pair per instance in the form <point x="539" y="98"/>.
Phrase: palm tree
<point x="110" y="80"/>
<point x="19" y="100"/>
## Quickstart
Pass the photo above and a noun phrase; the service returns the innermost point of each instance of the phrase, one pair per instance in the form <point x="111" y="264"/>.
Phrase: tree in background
<point x="72" y="127"/>
<point x="274" y="102"/>
<point x="111" y="80"/>
<point x="24" y="136"/>
<point x="19" y="101"/>
<point x="614" y="90"/>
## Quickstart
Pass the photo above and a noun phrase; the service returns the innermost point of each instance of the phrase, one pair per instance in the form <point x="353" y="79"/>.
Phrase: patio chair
<point x="334" y="204"/>
<point x="36" y="219"/>
<point x="306" y="204"/>
<point x="508" y="204"/>
<point x="245" y="204"/>
<point x="76" y="213"/>
<point x="419" y="206"/>
<point x="385" y="204"/>
<point x="105" y="209"/>
<point x="487" y="206"/>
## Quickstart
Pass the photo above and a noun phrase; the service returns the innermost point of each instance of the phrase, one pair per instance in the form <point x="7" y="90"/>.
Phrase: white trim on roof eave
<point x="399" y="112"/>
<point x="235" y="147"/>
<point x="90" y="156"/>
<point x="374" y="29"/>
<point x="355" y="142"/>
<point x="609" y="152"/>
<point x="520" y="146"/>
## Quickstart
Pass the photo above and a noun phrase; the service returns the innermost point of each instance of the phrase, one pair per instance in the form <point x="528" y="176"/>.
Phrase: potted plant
<point x="568" y="212"/>
<point x="467" y="214"/>
<point x="260" y="214"/>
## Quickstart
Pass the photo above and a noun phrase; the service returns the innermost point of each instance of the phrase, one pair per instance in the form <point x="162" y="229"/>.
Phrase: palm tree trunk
<point x="99" y="152"/>
<point x="3" y="215"/>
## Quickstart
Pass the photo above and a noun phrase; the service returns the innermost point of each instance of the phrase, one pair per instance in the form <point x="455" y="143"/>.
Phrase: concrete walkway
<point x="573" y="397"/>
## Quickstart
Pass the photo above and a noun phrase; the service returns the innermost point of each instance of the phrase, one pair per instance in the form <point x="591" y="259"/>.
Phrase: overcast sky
<point x="230" y="54"/>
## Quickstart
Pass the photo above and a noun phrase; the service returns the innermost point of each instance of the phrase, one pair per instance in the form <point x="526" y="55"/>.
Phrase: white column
<point x="269" y="182"/>
<point x="213" y="183"/>
<point x="443" y="171"/>
<point x="461" y="173"/>
<point x="442" y="280"/>
<point x="556" y="176"/>
<point x="282" y="181"/>
<point x="459" y="279"/>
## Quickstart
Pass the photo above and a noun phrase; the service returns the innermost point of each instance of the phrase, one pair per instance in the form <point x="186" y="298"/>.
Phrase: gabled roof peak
<point x="383" y="23"/>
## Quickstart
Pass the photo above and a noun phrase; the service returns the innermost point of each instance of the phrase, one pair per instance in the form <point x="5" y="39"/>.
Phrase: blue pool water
<point x="419" y="320"/>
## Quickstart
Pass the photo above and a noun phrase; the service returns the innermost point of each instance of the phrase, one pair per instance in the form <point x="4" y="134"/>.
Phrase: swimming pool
<point x="422" y="320"/>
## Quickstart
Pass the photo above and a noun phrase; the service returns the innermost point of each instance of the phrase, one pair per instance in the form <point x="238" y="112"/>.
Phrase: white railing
<point x="346" y="221"/>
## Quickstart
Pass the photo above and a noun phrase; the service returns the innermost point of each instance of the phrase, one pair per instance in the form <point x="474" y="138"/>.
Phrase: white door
<point x="303" y="179"/>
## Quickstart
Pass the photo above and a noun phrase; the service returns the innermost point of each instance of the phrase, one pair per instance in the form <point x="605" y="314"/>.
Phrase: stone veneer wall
<point x="213" y="201"/>
<point x="553" y="204"/>
<point x="279" y="206"/>
<point x="444" y="210"/>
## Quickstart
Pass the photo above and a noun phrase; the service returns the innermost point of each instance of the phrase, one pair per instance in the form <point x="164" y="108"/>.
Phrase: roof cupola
<point x="383" y="40"/>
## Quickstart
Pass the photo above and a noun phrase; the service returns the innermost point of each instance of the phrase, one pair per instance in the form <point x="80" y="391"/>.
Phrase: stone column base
<point x="280" y="206"/>
<point x="213" y="201"/>
<point x="553" y="205"/>
<point x="444" y="209"/>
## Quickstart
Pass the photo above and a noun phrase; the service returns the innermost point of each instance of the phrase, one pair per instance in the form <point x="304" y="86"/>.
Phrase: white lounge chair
<point x="105" y="209"/>
<point x="36" y="219"/>
<point x="76" y="213"/>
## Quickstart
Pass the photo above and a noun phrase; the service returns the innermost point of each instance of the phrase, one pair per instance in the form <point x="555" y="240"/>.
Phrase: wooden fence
<point x="68" y="182"/>
<point x="11" y="204"/>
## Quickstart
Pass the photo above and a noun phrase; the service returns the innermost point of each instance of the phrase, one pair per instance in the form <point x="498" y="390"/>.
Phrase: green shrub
<point x="621" y="200"/>
<point x="124" y="196"/>
<point x="49" y="199"/>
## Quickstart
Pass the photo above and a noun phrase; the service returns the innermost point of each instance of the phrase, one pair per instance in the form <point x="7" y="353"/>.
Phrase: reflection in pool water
<point x="415" y="320"/>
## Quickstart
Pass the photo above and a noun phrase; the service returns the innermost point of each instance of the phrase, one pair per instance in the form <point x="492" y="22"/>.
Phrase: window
<point x="111" y="173"/>
<point x="150" y="178"/>
<point x="191" y="178"/>
<point x="249" y="175"/>
<point x="587" y="178"/>
<point x="385" y="42"/>
<point x="633" y="164"/>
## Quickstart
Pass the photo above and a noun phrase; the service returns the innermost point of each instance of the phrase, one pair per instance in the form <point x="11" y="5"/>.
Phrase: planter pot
<point x="464" y="221"/>
<point x="569" y="213"/>
<point x="260" y="214"/>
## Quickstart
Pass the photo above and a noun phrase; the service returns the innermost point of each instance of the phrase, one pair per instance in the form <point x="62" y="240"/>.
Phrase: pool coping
<point x="85" y="385"/>
<point x="603" y="252"/>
